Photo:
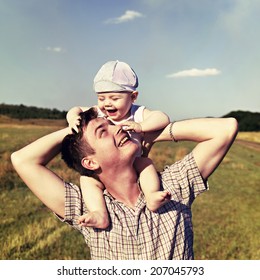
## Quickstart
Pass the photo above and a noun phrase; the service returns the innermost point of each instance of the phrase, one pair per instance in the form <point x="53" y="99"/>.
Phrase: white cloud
<point x="127" y="16"/>
<point x="195" y="73"/>
<point x="55" y="49"/>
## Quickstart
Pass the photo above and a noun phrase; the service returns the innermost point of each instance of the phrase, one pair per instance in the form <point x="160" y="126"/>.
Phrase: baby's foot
<point x="157" y="199"/>
<point x="94" y="219"/>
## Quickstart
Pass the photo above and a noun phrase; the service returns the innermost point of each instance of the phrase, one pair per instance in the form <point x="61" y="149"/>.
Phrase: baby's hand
<point x="132" y="126"/>
<point x="74" y="123"/>
<point x="73" y="118"/>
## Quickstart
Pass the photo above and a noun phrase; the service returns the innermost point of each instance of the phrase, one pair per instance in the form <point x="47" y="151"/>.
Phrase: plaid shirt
<point x="141" y="234"/>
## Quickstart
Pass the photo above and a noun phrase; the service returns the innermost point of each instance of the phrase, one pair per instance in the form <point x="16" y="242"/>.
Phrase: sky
<point x="196" y="58"/>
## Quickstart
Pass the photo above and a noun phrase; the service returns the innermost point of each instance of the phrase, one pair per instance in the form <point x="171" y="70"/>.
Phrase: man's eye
<point x="102" y="132"/>
<point x="110" y="122"/>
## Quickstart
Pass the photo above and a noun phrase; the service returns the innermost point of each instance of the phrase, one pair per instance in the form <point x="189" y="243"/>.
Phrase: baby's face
<point x="116" y="105"/>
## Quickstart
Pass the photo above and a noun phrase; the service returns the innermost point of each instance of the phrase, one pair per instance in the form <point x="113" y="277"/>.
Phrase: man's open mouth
<point x="123" y="141"/>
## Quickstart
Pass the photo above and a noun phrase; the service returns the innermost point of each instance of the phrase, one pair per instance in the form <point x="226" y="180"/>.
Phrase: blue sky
<point x="193" y="58"/>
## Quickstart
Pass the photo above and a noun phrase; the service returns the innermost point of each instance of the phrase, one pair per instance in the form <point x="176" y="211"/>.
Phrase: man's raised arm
<point x="213" y="135"/>
<point x="30" y="163"/>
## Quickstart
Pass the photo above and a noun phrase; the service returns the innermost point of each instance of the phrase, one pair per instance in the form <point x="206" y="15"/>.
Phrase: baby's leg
<point x="154" y="200"/>
<point x="94" y="219"/>
<point x="92" y="191"/>
<point x="150" y="184"/>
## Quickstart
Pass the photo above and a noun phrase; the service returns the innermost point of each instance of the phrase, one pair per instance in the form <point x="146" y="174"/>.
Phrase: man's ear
<point x="89" y="163"/>
<point x="134" y="95"/>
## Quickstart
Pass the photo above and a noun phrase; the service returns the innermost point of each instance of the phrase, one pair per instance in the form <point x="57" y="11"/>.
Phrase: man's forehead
<point x="95" y="123"/>
<point x="98" y="121"/>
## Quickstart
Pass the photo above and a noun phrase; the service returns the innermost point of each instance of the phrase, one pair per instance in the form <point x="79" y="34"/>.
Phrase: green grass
<point x="226" y="218"/>
<point x="28" y="230"/>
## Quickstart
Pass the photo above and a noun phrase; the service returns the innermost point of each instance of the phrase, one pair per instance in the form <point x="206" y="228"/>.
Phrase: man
<point x="106" y="151"/>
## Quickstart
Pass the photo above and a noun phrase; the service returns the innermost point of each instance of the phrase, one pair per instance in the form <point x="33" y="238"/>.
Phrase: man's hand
<point x="132" y="126"/>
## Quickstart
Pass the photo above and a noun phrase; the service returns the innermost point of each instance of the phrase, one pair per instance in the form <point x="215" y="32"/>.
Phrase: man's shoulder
<point x="184" y="178"/>
<point x="179" y="171"/>
<point x="187" y="162"/>
<point x="73" y="193"/>
<point x="71" y="186"/>
<point x="74" y="202"/>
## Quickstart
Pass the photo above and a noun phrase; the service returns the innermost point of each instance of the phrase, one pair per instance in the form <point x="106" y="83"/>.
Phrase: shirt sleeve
<point x="137" y="112"/>
<point x="183" y="180"/>
<point x="74" y="207"/>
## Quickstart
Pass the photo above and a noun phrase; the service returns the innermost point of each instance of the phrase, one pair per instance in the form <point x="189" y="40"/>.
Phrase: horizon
<point x="61" y="111"/>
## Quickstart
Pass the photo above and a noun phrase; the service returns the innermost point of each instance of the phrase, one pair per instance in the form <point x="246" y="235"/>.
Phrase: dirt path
<point x="253" y="145"/>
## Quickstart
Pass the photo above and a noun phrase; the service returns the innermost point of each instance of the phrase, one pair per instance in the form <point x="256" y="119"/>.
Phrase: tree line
<point x="248" y="121"/>
<point x="30" y="112"/>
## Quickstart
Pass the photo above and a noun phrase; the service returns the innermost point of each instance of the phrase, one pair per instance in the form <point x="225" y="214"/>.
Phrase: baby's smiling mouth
<point x="111" y="111"/>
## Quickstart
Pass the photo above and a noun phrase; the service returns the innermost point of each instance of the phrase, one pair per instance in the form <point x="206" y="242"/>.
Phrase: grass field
<point x="226" y="218"/>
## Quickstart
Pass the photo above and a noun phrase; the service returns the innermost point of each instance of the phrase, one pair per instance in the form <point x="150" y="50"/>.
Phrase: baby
<point x="115" y="84"/>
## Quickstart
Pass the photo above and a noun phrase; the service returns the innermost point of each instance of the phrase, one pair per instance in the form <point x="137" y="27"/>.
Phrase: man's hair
<point x="75" y="147"/>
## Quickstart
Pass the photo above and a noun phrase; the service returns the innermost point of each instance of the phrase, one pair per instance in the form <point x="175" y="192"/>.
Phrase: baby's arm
<point x="150" y="183"/>
<point x="73" y="116"/>
<point x="92" y="192"/>
<point x="154" y="120"/>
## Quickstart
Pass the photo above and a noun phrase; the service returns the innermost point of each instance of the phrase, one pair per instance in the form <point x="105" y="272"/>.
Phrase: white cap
<point x="115" y="76"/>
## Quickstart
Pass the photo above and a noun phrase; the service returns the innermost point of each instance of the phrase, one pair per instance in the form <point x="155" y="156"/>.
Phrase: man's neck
<point x="122" y="185"/>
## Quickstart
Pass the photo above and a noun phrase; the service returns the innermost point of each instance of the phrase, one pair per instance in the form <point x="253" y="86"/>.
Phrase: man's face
<point x="112" y="145"/>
